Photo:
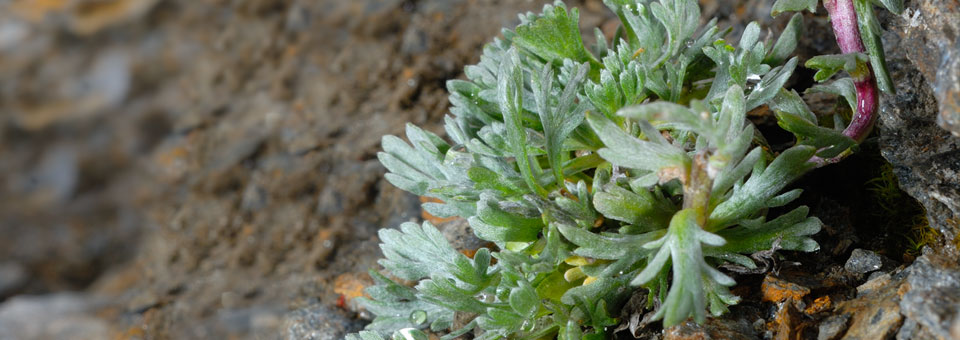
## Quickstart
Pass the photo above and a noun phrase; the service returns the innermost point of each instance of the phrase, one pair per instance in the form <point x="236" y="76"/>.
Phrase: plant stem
<point x="843" y="18"/>
<point x="696" y="192"/>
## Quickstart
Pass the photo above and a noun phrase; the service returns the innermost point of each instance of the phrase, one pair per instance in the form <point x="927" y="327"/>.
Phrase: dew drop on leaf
<point x="418" y="317"/>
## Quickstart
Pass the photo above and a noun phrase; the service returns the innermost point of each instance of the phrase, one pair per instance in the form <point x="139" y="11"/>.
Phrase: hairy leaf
<point x="553" y="35"/>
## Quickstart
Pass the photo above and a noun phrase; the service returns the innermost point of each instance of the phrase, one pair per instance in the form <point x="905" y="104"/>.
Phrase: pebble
<point x="933" y="300"/>
<point x="863" y="261"/>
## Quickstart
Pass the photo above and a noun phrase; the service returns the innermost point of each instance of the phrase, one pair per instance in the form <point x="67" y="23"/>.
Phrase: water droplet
<point x="418" y="317"/>
<point x="484" y="297"/>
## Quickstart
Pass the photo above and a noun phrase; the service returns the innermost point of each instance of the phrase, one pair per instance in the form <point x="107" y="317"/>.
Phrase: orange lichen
<point x="820" y="304"/>
<point x="776" y="290"/>
<point x="788" y="324"/>
<point x="350" y="285"/>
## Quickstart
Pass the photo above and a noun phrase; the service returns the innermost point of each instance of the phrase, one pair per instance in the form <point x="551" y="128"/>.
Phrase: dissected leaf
<point x="510" y="96"/>
<point x="553" y="35"/>
<point x="559" y="119"/>
<point x="752" y="196"/>
<point x="682" y="245"/>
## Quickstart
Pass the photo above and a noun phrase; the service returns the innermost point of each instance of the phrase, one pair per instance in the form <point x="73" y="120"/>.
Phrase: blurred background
<point x="207" y="169"/>
<point x="200" y="169"/>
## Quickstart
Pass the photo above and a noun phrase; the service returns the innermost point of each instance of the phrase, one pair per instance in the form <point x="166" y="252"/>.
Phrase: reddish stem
<point x="843" y="17"/>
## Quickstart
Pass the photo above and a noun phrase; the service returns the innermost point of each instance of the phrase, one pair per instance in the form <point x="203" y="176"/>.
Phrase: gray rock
<point x="929" y="30"/>
<point x="925" y="157"/>
<point x="254" y="320"/>
<point x="318" y="322"/>
<point x="54" y="316"/>
<point x="863" y="261"/>
<point x="832" y="327"/>
<point x="933" y="301"/>
<point x="909" y="330"/>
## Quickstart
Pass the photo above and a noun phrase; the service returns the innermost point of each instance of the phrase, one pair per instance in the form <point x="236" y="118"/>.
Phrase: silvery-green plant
<point x="597" y="171"/>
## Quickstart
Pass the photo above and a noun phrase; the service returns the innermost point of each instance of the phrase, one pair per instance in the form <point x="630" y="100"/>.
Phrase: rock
<point x="831" y="327"/>
<point x="777" y="290"/>
<point x="875" y="313"/>
<point x="929" y="30"/>
<point x="72" y="196"/>
<point x="874" y="284"/>
<point x="260" y="321"/>
<point x="54" y="316"/>
<point x="933" y="299"/>
<point x="818" y="305"/>
<point x="923" y="55"/>
<point x="318" y="322"/>
<point x="714" y="328"/>
<point x="788" y="323"/>
<point x="909" y="330"/>
<point x="863" y="261"/>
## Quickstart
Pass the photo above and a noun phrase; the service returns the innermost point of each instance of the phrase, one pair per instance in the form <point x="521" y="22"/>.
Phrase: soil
<point x="182" y="169"/>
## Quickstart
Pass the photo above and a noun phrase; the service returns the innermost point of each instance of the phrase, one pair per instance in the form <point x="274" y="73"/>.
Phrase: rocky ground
<point x="183" y="169"/>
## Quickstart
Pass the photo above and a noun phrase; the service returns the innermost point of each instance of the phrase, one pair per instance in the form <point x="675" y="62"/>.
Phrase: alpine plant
<point x="601" y="171"/>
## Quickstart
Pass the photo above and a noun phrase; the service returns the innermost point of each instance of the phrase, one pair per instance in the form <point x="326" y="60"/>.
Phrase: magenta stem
<point x="843" y="17"/>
